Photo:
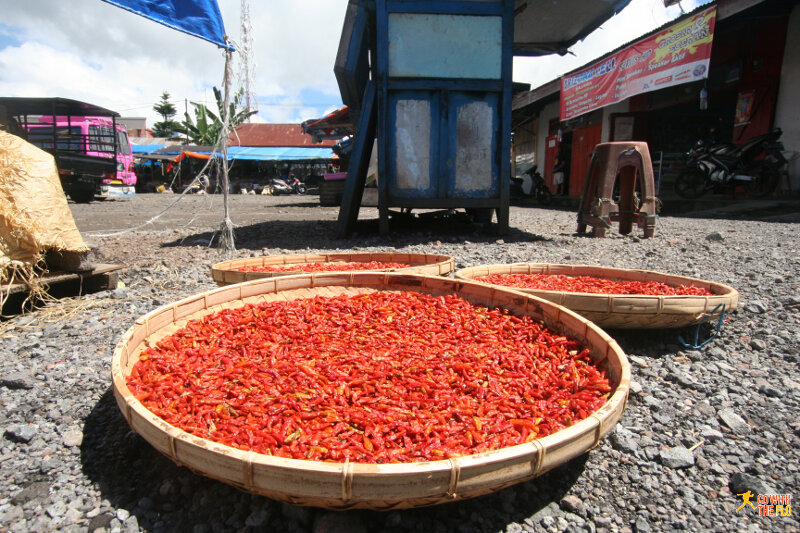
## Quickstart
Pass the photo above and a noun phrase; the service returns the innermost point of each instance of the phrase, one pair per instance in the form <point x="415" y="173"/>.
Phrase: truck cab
<point x="91" y="151"/>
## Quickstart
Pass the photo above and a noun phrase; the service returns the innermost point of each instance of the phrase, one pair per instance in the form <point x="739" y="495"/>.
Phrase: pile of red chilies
<point x="326" y="267"/>
<point x="385" y="377"/>
<point x="591" y="284"/>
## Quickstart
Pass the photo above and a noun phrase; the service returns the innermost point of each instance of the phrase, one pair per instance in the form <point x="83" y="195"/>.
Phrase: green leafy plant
<point x="206" y="127"/>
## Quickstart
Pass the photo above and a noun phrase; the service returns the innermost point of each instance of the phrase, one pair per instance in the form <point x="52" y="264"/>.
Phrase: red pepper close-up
<point x="326" y="267"/>
<point x="380" y="377"/>
<point x="591" y="284"/>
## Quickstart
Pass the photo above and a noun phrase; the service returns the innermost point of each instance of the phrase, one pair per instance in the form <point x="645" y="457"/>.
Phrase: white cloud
<point x="89" y="50"/>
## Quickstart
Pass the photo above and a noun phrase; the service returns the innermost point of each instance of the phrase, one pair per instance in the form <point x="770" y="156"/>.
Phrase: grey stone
<point x="119" y="293"/>
<point x="257" y="518"/>
<point x="642" y="525"/>
<point x="73" y="437"/>
<point x="624" y="440"/>
<point x="38" y="490"/>
<point x="715" y="237"/>
<point x="12" y="514"/>
<point x="72" y="516"/>
<point x="21" y="433"/>
<point x="122" y="515"/>
<point x="25" y="320"/>
<point x="57" y="509"/>
<point x="756" y="306"/>
<point x="711" y="435"/>
<point x="572" y="504"/>
<point x="740" y="483"/>
<point x="131" y="524"/>
<point x="339" y="523"/>
<point x="296" y="513"/>
<point x="17" y="381"/>
<point x="733" y="421"/>
<point x="677" y="457"/>
<point x="758" y="344"/>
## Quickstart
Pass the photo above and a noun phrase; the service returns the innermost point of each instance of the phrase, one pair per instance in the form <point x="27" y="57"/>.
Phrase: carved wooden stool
<point x="598" y="208"/>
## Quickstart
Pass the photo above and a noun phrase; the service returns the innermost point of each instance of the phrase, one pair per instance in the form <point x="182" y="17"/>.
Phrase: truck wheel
<point x="82" y="196"/>
<point x="765" y="180"/>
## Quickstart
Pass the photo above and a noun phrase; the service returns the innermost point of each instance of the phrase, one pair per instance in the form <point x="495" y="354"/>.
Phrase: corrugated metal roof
<point x="274" y="135"/>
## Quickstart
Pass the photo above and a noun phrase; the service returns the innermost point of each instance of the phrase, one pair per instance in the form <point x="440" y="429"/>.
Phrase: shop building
<point x="750" y="86"/>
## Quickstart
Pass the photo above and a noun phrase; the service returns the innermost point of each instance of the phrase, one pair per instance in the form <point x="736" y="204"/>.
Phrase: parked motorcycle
<point x="288" y="185"/>
<point x="721" y="167"/>
<point x="277" y="186"/>
<point x="297" y="186"/>
<point x="538" y="188"/>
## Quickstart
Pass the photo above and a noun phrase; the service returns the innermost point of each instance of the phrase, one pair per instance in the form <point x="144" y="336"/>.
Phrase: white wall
<point x="619" y="107"/>
<point x="787" y="113"/>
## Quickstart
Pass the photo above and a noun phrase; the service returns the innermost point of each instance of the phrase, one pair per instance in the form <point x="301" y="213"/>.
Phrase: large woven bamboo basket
<point x="227" y="272"/>
<point x="624" y="311"/>
<point x="357" y="485"/>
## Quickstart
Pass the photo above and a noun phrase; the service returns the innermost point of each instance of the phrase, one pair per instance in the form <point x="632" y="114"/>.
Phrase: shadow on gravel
<point x="131" y="475"/>
<point x="299" y="235"/>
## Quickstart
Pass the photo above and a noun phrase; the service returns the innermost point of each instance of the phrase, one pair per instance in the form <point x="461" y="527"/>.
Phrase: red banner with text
<point x="679" y="54"/>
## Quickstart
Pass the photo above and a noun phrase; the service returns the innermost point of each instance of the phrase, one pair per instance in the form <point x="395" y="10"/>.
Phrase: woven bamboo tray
<point x="624" y="311"/>
<point x="355" y="485"/>
<point x="227" y="272"/>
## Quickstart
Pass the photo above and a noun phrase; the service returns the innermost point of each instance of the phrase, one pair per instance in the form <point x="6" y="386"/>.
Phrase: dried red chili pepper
<point x="380" y="377"/>
<point x="592" y="284"/>
<point x="327" y="267"/>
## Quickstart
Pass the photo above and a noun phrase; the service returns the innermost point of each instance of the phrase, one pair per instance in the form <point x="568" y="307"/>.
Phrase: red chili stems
<point x="383" y="377"/>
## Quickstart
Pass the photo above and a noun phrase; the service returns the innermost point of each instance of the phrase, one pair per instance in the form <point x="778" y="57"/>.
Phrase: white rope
<point x="225" y="230"/>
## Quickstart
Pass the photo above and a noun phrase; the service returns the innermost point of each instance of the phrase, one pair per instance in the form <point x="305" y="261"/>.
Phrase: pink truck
<point x="91" y="150"/>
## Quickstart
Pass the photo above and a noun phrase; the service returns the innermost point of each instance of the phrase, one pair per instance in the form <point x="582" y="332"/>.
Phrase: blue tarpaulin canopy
<point x="277" y="153"/>
<point x="200" y="18"/>
<point x="243" y="153"/>
<point x="146" y="148"/>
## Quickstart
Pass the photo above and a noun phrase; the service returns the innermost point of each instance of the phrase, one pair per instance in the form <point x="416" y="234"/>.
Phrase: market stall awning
<point x="139" y="149"/>
<point x="542" y="28"/>
<point x="274" y="153"/>
<point x="334" y="125"/>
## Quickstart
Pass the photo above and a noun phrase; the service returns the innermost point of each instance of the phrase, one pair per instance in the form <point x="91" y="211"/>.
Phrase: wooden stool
<point x="598" y="208"/>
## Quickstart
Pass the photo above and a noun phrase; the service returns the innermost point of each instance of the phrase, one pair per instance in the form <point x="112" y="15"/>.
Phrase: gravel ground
<point x="701" y="426"/>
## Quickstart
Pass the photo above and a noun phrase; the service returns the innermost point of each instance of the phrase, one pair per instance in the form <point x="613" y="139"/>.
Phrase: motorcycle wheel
<point x="544" y="196"/>
<point x="301" y="189"/>
<point x="765" y="180"/>
<point x="691" y="183"/>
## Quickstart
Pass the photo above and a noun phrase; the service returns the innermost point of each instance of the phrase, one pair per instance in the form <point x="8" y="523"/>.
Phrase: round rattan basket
<point x="624" y="311"/>
<point x="228" y="272"/>
<point x="357" y="485"/>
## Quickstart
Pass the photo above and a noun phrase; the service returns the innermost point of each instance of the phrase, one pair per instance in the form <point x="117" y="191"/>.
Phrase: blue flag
<point x="200" y="18"/>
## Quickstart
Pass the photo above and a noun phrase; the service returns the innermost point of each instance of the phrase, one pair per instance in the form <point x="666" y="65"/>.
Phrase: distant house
<point x="136" y="126"/>
<point x="274" y="135"/>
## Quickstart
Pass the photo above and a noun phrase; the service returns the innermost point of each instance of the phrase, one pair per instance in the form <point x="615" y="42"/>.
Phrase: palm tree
<point x="206" y="127"/>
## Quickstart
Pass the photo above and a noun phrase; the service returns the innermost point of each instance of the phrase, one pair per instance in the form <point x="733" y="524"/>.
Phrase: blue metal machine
<point x="444" y="105"/>
<point x="431" y="80"/>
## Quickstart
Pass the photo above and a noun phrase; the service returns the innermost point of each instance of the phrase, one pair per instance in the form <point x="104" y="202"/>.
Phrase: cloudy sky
<point x="92" y="51"/>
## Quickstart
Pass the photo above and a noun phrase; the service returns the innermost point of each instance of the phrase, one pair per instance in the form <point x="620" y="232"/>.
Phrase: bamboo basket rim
<point x="726" y="290"/>
<point x="597" y="422"/>
<point x="331" y="257"/>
